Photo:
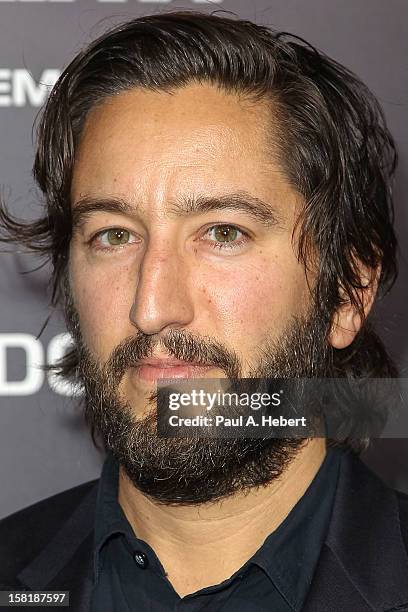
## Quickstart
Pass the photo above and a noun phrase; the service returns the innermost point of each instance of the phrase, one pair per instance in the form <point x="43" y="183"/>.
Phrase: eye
<point x="224" y="236"/>
<point x="113" y="238"/>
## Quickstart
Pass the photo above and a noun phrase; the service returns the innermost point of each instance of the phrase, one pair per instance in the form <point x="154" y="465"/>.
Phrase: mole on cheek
<point x="205" y="292"/>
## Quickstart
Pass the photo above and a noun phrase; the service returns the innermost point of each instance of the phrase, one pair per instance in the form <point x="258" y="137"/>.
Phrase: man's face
<point x="182" y="245"/>
<point x="218" y="272"/>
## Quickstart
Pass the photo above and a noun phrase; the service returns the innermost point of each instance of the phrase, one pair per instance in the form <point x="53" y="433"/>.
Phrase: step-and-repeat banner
<point x="44" y="446"/>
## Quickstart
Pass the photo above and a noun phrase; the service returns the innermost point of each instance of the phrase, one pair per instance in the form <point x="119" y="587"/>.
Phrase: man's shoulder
<point x="25" y="533"/>
<point x="364" y="562"/>
<point x="403" y="513"/>
<point x="373" y="491"/>
<point x="54" y="531"/>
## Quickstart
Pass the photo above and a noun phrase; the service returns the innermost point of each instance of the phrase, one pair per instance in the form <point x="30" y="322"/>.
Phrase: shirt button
<point x="141" y="559"/>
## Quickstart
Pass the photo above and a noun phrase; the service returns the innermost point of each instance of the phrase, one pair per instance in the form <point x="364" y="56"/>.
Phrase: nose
<point x="163" y="298"/>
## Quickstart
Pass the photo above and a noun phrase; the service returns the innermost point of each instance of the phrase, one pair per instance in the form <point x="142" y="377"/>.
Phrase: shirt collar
<point x="288" y="556"/>
<point x="110" y="518"/>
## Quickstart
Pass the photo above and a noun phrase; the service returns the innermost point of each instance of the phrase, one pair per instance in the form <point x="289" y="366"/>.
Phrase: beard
<point x="191" y="471"/>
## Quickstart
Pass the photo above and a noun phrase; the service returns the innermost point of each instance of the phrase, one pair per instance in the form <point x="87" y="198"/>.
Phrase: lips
<point x="149" y="370"/>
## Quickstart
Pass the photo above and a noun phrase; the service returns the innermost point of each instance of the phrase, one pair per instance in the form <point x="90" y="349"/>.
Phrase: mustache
<point x="179" y="344"/>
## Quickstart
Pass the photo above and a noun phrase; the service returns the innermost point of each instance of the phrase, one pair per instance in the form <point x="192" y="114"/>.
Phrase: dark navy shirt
<point x="130" y="578"/>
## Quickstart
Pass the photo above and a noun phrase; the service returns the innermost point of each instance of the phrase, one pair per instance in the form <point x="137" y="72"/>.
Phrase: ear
<point x="347" y="320"/>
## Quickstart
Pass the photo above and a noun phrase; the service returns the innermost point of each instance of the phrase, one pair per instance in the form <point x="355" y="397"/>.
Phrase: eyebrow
<point x="86" y="206"/>
<point x="242" y="201"/>
<point x="253" y="207"/>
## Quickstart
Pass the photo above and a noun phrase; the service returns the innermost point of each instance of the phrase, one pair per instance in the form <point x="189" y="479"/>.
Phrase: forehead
<point x="194" y="137"/>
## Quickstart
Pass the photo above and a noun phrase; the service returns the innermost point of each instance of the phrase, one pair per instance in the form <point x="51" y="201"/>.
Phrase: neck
<point x="193" y="536"/>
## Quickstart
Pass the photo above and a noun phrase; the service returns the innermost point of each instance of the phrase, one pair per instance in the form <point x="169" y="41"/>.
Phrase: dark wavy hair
<point x="332" y="141"/>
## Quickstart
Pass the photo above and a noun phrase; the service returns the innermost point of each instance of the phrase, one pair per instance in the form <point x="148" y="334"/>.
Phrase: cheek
<point x="248" y="300"/>
<point x="103" y="302"/>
